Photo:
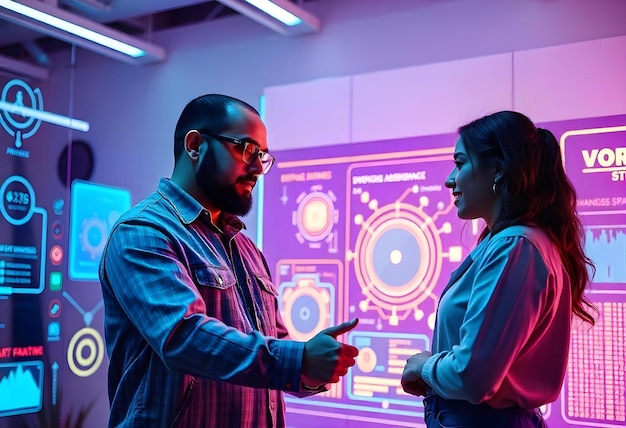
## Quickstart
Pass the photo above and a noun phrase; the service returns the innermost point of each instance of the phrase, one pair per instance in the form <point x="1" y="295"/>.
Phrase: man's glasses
<point x="250" y="152"/>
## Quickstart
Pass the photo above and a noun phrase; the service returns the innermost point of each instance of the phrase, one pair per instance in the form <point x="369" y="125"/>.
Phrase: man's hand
<point x="412" y="381"/>
<point x="325" y="359"/>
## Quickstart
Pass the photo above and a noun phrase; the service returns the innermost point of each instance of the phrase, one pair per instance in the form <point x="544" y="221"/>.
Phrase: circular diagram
<point x="306" y="308"/>
<point x="85" y="352"/>
<point x="315" y="216"/>
<point x="398" y="257"/>
<point x="14" y="120"/>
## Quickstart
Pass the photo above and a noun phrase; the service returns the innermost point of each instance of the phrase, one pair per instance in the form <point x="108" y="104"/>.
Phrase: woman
<point x="501" y="337"/>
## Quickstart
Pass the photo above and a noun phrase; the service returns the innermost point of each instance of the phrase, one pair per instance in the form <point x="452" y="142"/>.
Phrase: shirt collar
<point x="190" y="210"/>
<point x="480" y="248"/>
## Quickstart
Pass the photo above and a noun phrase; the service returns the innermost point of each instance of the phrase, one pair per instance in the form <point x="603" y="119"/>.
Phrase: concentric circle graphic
<point x="85" y="352"/>
<point x="305" y="309"/>
<point x="315" y="216"/>
<point x="19" y="95"/>
<point x="399" y="256"/>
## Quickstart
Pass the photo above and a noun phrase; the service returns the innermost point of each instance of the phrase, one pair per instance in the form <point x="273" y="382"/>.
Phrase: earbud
<point x="193" y="154"/>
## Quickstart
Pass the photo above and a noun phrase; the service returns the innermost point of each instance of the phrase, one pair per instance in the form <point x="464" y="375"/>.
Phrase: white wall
<point x="583" y="79"/>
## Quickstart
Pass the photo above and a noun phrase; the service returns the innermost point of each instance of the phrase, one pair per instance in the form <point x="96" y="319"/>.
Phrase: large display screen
<point x="52" y="231"/>
<point x="370" y="231"/>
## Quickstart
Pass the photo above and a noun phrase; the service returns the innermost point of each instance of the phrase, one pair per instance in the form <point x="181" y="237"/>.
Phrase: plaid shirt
<point x="191" y="321"/>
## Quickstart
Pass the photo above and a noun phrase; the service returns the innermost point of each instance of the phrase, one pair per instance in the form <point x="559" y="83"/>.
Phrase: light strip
<point x="69" y="27"/>
<point x="276" y="11"/>
<point x="260" y="188"/>
<point x="57" y="119"/>
<point x="262" y="11"/>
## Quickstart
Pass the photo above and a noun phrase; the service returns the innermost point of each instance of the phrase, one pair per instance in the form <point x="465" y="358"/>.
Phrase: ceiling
<point x="138" y="18"/>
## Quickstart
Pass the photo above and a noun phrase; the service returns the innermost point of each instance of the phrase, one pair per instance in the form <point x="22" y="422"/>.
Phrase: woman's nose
<point x="450" y="182"/>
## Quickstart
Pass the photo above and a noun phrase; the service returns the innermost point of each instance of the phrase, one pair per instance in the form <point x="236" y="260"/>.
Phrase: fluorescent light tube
<point x="69" y="27"/>
<point x="276" y="11"/>
<point x="57" y="119"/>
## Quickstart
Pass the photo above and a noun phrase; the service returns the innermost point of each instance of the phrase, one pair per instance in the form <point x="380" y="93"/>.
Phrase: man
<point x="192" y="324"/>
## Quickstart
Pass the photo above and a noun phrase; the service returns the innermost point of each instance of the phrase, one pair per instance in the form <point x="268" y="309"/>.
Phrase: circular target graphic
<point x="13" y="119"/>
<point x="305" y="314"/>
<point x="399" y="256"/>
<point x="315" y="216"/>
<point x="85" y="352"/>
<point x="394" y="255"/>
<point x="305" y="311"/>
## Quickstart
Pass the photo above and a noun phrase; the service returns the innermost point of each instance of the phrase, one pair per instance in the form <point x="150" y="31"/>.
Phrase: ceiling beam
<point x="23" y="69"/>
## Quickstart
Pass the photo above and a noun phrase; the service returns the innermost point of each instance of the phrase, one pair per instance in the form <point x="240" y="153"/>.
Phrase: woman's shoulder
<point x="527" y="235"/>
<point x="532" y="233"/>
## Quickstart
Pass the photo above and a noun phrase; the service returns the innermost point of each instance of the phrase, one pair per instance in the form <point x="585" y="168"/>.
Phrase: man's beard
<point x="224" y="197"/>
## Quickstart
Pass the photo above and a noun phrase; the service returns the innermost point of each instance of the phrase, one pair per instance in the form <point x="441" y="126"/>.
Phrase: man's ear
<point x="193" y="139"/>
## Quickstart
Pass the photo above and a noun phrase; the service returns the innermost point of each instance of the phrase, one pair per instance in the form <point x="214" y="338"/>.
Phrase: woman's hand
<point x="412" y="381"/>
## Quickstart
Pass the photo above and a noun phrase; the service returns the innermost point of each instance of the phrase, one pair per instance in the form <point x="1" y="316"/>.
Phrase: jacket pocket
<point x="216" y="285"/>
<point x="183" y="404"/>
<point x="270" y="310"/>
<point x="213" y="276"/>
<point x="266" y="284"/>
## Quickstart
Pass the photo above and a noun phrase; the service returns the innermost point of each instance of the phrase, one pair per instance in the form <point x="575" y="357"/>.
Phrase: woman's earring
<point x="495" y="192"/>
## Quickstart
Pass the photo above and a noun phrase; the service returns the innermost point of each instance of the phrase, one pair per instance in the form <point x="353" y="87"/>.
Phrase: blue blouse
<point x="503" y="324"/>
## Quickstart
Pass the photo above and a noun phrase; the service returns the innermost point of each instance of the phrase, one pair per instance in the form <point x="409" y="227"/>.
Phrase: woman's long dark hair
<point x="534" y="189"/>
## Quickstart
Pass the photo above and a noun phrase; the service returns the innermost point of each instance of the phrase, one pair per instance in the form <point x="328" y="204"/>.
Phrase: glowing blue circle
<point x="400" y="272"/>
<point x="33" y="104"/>
<point x="305" y="314"/>
<point x="94" y="236"/>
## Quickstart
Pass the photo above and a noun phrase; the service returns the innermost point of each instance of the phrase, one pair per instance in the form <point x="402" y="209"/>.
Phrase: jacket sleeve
<point x="504" y="306"/>
<point x="154" y="290"/>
